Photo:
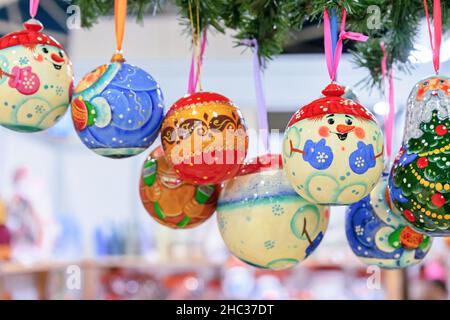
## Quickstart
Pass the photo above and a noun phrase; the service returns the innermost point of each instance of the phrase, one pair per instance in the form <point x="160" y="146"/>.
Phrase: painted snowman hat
<point x="29" y="37"/>
<point x="332" y="103"/>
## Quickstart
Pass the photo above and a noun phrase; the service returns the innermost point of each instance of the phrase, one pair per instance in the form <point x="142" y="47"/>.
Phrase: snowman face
<point x="341" y="126"/>
<point x="333" y="159"/>
<point x="55" y="56"/>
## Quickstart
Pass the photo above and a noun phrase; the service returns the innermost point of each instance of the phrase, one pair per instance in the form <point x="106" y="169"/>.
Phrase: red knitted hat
<point x="199" y="97"/>
<point x="332" y="103"/>
<point x="29" y="37"/>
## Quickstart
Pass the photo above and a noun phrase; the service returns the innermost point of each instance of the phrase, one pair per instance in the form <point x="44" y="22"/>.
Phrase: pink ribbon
<point x="390" y="115"/>
<point x="435" y="41"/>
<point x="194" y="71"/>
<point x="333" y="58"/>
<point x="34" y="4"/>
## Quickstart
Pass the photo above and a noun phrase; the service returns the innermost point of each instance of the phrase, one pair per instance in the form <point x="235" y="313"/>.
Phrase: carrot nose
<point x="57" y="58"/>
<point x="342" y="128"/>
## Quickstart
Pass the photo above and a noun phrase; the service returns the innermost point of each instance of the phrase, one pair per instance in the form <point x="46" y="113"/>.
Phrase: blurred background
<point x="79" y="230"/>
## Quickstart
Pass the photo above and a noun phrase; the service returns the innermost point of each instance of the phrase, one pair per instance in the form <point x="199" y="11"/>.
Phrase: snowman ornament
<point x="333" y="150"/>
<point x="36" y="79"/>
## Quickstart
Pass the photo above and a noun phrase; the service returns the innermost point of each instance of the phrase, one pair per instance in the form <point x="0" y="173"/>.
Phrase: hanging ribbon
<point x="390" y="115"/>
<point x="120" y="15"/>
<point x="333" y="56"/>
<point x="435" y="41"/>
<point x="34" y="4"/>
<point x="197" y="59"/>
<point x="334" y="30"/>
<point x="263" y="123"/>
<point x="194" y="72"/>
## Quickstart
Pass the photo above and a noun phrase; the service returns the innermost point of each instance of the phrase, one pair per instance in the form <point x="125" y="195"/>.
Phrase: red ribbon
<point x="333" y="58"/>
<point x="435" y="41"/>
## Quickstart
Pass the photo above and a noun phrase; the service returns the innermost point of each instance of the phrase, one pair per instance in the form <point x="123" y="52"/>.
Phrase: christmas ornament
<point x="420" y="179"/>
<point x="36" y="79"/>
<point x="420" y="184"/>
<point x="204" y="137"/>
<point x="117" y="109"/>
<point x="333" y="150"/>
<point x="171" y="201"/>
<point x="378" y="235"/>
<point x="333" y="147"/>
<point x="264" y="222"/>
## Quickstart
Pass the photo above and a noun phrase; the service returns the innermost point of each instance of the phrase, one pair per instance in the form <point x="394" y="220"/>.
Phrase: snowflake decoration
<point x="277" y="209"/>
<point x="321" y="157"/>
<point x="359" y="162"/>
<point x="269" y="244"/>
<point x="23" y="61"/>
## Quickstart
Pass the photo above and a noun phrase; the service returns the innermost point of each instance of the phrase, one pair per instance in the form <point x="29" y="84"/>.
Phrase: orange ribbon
<point x="120" y="15"/>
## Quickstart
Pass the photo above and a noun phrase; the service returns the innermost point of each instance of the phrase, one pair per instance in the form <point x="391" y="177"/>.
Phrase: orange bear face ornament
<point x="171" y="201"/>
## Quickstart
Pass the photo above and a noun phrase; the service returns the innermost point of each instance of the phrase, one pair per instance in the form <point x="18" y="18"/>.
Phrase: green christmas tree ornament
<point x="420" y="178"/>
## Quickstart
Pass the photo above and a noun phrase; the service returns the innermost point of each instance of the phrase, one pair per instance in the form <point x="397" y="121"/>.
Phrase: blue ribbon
<point x="334" y="30"/>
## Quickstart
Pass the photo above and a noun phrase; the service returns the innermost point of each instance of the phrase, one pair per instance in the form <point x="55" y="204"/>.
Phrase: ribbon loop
<point x="390" y="115"/>
<point x="333" y="56"/>
<point x="195" y="69"/>
<point x="197" y="59"/>
<point x="120" y="14"/>
<point x="34" y="4"/>
<point x="353" y="36"/>
<point x="436" y="39"/>
<point x="263" y="123"/>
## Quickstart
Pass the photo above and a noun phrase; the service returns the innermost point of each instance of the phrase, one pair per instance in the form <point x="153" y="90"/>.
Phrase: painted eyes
<point x="441" y="81"/>
<point x="426" y="83"/>
<point x="61" y="54"/>
<point x="348" y="122"/>
<point x="45" y="50"/>
<point x="330" y="121"/>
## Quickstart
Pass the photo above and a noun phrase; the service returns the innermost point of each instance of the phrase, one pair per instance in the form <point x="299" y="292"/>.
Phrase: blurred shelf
<point x="127" y="262"/>
<point x="138" y="262"/>
<point x="11" y="268"/>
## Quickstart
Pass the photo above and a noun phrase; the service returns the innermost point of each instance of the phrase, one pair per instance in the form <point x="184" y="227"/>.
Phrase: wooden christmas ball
<point x="378" y="235"/>
<point x="204" y="137"/>
<point x="171" y="201"/>
<point x="333" y="150"/>
<point x="117" y="110"/>
<point x="420" y="183"/>
<point x="36" y="79"/>
<point x="264" y="222"/>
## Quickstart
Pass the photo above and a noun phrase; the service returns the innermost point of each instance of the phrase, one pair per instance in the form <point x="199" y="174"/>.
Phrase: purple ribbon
<point x="263" y="123"/>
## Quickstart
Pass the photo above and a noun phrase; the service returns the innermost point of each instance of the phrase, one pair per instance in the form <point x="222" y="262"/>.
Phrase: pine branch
<point x="92" y="10"/>
<point x="272" y="21"/>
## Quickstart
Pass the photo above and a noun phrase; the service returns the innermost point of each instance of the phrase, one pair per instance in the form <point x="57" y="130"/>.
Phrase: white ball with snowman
<point x="36" y="79"/>
<point x="333" y="150"/>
